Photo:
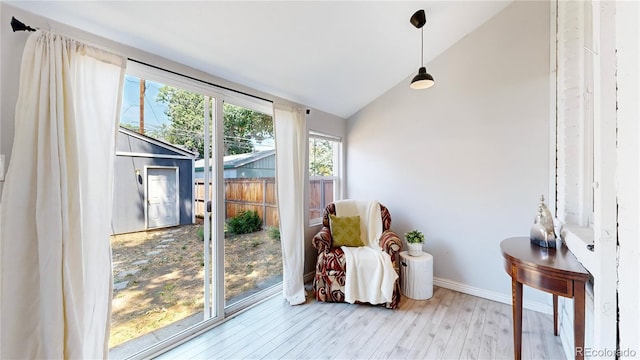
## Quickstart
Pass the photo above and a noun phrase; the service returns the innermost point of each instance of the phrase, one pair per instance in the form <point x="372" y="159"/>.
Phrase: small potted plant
<point x="415" y="239"/>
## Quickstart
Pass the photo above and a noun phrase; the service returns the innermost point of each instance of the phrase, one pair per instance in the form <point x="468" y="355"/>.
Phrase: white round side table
<point x="416" y="275"/>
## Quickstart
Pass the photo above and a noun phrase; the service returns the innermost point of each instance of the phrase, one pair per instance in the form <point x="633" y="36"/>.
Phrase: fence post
<point x="264" y="202"/>
<point x="322" y="198"/>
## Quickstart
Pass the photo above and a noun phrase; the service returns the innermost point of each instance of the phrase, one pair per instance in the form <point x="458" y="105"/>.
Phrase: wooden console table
<point x="556" y="271"/>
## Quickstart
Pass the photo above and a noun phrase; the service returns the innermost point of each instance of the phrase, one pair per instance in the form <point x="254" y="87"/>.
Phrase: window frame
<point x="575" y="161"/>
<point x="590" y="216"/>
<point x="337" y="171"/>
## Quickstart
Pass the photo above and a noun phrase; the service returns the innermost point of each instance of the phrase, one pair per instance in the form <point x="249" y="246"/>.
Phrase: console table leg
<point x="555" y="314"/>
<point x="516" y="288"/>
<point x="578" y="318"/>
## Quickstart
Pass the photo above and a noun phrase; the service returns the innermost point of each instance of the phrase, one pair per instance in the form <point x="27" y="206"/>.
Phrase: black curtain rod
<point x="199" y="80"/>
<point x="17" y="25"/>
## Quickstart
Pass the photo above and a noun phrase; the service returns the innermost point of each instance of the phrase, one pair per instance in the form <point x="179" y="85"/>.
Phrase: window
<point x="576" y="101"/>
<point x="589" y="110"/>
<point x="587" y="135"/>
<point x="324" y="173"/>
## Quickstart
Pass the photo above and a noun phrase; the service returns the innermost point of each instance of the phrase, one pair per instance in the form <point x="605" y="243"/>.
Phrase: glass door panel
<point x="203" y="239"/>
<point x="161" y="241"/>
<point x="253" y="255"/>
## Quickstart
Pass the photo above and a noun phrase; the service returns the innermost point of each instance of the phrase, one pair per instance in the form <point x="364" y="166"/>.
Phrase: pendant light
<point x="423" y="80"/>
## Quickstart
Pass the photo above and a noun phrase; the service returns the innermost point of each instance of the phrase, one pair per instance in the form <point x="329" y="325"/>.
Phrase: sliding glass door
<point x="195" y="225"/>
<point x="162" y="246"/>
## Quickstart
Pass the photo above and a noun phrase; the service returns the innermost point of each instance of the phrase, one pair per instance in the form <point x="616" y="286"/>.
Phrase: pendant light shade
<point x="423" y="80"/>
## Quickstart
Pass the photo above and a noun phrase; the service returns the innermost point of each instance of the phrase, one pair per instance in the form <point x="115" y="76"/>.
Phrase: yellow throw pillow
<point x="345" y="230"/>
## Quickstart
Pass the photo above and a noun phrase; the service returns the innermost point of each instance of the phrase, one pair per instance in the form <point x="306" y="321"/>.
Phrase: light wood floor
<point x="450" y="325"/>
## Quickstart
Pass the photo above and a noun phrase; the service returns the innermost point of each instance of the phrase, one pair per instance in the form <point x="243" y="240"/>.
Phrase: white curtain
<point x="291" y="145"/>
<point x="56" y="281"/>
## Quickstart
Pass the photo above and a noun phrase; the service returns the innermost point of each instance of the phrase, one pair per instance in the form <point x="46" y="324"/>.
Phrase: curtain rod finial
<point x="17" y="25"/>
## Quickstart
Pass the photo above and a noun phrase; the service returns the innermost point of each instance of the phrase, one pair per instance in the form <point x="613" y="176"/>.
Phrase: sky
<point x="154" y="115"/>
<point x="154" y="111"/>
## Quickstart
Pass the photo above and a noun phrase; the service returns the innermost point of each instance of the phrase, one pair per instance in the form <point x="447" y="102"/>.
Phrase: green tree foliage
<point x="185" y="110"/>
<point x="241" y="126"/>
<point x="320" y="157"/>
<point x="131" y="127"/>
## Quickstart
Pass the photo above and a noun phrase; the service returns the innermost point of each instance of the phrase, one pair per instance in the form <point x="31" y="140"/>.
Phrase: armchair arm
<point x="322" y="240"/>
<point x="391" y="244"/>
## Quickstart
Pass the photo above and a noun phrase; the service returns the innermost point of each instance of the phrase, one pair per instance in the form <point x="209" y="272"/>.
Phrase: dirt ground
<point x="159" y="276"/>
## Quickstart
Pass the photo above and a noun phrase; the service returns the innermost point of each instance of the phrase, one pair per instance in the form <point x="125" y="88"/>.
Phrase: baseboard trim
<point x="308" y="277"/>
<point x="471" y="290"/>
<point x="491" y="295"/>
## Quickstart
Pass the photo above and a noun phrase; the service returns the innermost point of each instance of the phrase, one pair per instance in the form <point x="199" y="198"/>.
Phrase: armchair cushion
<point x="345" y="231"/>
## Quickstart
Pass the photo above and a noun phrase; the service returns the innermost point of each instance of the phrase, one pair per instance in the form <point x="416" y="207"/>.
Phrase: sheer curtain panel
<point x="56" y="281"/>
<point x="291" y="145"/>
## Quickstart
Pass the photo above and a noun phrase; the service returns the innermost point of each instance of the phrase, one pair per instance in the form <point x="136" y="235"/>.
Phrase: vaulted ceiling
<point x="336" y="56"/>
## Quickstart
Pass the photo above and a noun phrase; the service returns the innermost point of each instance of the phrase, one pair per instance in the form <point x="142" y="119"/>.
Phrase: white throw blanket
<point x="369" y="272"/>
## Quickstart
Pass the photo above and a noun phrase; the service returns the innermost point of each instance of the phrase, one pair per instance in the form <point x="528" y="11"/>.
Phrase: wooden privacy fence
<point x="248" y="194"/>
<point x="259" y="194"/>
<point x="320" y="194"/>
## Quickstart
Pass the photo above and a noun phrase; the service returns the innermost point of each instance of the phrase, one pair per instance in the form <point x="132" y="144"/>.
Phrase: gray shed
<point x="153" y="186"/>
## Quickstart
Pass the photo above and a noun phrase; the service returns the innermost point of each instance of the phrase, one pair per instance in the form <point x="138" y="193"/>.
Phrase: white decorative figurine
<point x="542" y="231"/>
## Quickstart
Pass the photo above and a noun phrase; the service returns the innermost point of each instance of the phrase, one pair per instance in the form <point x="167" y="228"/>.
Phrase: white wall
<point x="467" y="160"/>
<point x="11" y="46"/>
<point x="628" y="178"/>
<point x="2" y="162"/>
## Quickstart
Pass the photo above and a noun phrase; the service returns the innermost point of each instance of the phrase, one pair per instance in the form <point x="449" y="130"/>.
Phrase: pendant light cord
<point x="422" y="46"/>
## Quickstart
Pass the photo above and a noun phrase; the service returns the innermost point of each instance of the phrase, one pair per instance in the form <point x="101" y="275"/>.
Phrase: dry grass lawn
<point x="164" y="275"/>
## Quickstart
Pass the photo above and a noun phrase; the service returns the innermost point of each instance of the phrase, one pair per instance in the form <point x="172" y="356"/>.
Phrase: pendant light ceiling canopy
<point x="423" y="79"/>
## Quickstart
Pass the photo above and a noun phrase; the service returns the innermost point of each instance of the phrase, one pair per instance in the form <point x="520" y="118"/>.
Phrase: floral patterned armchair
<point x="329" y="280"/>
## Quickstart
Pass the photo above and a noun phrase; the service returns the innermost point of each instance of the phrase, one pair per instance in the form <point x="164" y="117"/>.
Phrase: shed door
<point x="162" y="197"/>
